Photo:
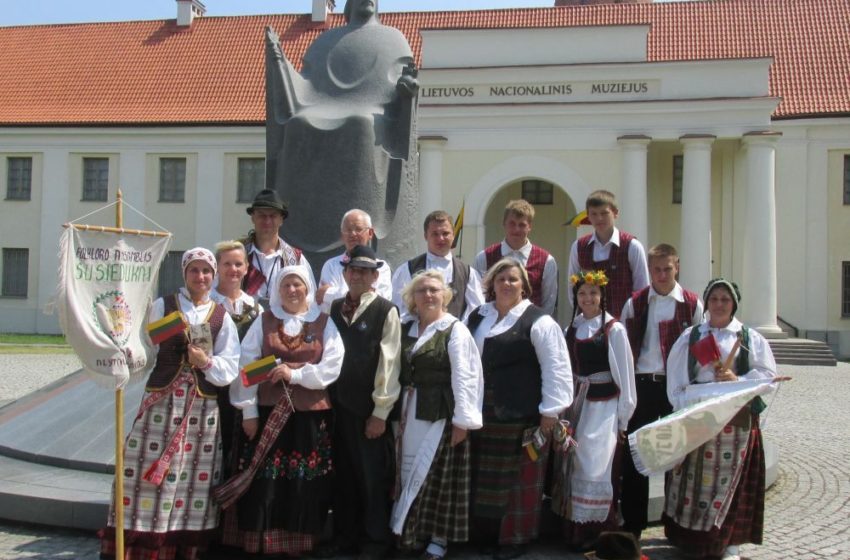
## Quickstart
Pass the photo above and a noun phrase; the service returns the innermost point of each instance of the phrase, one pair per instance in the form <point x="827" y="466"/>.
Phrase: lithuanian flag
<point x="579" y="219"/>
<point x="257" y="372"/>
<point x="166" y="327"/>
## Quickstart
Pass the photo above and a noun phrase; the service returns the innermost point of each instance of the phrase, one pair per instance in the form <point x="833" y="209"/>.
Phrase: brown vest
<point x="309" y="351"/>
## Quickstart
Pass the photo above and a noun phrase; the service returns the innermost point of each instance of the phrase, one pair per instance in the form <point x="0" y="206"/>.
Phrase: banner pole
<point x="119" y="433"/>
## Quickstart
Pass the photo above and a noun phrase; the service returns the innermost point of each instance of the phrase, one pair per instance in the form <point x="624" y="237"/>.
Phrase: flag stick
<point x="119" y="433"/>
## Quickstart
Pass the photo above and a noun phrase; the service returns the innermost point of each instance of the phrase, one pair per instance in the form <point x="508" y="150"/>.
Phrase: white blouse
<point x="619" y="359"/>
<point x="467" y="373"/>
<point x="762" y="363"/>
<point x="550" y="347"/>
<point x="311" y="376"/>
<point x="244" y="301"/>
<point x="225" y="358"/>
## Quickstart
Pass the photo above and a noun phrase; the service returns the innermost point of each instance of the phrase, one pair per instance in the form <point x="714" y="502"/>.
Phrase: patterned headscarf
<point x="198" y="254"/>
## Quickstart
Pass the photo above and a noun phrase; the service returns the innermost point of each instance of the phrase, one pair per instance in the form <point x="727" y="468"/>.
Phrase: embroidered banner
<point x="105" y="286"/>
<point x="663" y="444"/>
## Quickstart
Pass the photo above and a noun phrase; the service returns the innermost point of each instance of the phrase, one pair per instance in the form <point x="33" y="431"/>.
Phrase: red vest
<point x="668" y="331"/>
<point x="617" y="268"/>
<point x="534" y="268"/>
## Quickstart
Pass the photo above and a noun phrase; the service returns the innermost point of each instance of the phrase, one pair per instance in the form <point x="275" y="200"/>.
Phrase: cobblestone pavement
<point x="41" y="370"/>
<point x="806" y="510"/>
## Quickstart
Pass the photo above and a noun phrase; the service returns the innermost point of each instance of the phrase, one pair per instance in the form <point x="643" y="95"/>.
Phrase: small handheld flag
<point x="166" y="327"/>
<point x="258" y="371"/>
<point x="706" y="350"/>
<point x="579" y="219"/>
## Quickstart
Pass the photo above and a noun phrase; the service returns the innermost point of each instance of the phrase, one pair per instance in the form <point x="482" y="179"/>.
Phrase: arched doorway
<point x="504" y="182"/>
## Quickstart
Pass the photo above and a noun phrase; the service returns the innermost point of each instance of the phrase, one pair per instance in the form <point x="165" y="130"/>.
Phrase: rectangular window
<point x="95" y="179"/>
<point x="18" y="178"/>
<point x="172" y="179"/>
<point x="251" y="178"/>
<point x="170" y="274"/>
<point x="845" y="289"/>
<point x="537" y="192"/>
<point x="678" y="173"/>
<point x="15" y="272"/>
<point x="847" y="179"/>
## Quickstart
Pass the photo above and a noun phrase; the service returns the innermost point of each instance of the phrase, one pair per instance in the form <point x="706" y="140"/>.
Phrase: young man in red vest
<point x="539" y="264"/>
<point x="654" y="317"/>
<point x="618" y="253"/>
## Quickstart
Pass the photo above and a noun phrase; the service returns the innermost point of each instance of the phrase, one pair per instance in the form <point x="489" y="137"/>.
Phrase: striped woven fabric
<point x="166" y="327"/>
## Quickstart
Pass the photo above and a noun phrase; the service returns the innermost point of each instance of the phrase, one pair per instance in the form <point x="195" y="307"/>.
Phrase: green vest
<point x="430" y="372"/>
<point x="742" y="362"/>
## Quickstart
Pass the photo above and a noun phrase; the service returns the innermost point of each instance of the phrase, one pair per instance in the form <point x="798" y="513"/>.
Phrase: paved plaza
<point x="806" y="510"/>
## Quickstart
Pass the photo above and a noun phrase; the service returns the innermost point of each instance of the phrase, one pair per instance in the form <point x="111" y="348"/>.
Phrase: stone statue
<point x="341" y="134"/>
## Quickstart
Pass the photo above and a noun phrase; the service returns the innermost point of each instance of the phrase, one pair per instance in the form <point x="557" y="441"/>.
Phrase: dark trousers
<point x="652" y="404"/>
<point x="364" y="474"/>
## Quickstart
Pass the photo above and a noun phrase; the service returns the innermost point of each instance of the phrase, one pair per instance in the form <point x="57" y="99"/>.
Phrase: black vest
<point x="362" y="340"/>
<point x="430" y="371"/>
<point x="511" y="368"/>
<point x="591" y="356"/>
<point x="460" y="278"/>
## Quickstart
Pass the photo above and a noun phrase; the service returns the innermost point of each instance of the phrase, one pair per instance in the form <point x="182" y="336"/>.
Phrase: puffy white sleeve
<point x="245" y="398"/>
<point x="637" y="262"/>
<point x="467" y="378"/>
<point x="677" y="370"/>
<point x="557" y="375"/>
<point x="480" y="264"/>
<point x="384" y="285"/>
<point x="549" y="285"/>
<point x="474" y="293"/>
<point x="623" y="372"/>
<point x="319" y="376"/>
<point x="401" y="277"/>
<point x="225" y="358"/>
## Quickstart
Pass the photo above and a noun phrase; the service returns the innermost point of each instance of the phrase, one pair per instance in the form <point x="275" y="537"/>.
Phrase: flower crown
<point x="594" y="277"/>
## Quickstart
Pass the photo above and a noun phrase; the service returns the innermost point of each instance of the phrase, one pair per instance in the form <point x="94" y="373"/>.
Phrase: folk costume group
<point x="438" y="405"/>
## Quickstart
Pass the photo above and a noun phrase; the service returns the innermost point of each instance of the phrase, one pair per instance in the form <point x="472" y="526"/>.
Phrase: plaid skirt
<point x="744" y="520"/>
<point x="177" y="518"/>
<point x="441" y="509"/>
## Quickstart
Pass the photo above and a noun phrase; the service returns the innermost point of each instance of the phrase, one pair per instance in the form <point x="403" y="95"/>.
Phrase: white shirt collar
<point x="615" y="238"/>
<point x="594" y="323"/>
<point x="734" y="326"/>
<point x="429" y="256"/>
<point x="489" y="308"/>
<point x="676" y="293"/>
<point x="185" y="293"/>
<point x="525" y="250"/>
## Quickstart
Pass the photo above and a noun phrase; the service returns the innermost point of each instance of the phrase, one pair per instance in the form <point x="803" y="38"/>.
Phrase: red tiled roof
<point x="153" y="72"/>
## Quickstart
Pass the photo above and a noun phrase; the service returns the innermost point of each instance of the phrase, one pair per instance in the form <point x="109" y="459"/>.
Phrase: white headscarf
<point x="275" y="302"/>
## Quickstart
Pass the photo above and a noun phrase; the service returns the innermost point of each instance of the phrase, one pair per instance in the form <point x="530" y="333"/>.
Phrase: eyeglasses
<point x="429" y="291"/>
<point x="355" y="230"/>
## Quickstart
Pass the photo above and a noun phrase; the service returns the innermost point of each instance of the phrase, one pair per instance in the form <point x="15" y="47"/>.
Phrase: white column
<point x="633" y="218"/>
<point x="695" y="238"/>
<point x="431" y="175"/>
<point x="759" y="278"/>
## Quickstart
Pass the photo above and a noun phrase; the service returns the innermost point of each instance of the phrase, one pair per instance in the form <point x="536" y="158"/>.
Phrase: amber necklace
<point x="290" y="342"/>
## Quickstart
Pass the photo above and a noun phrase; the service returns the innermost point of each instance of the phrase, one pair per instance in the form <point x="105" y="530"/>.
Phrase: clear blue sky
<point x="29" y="12"/>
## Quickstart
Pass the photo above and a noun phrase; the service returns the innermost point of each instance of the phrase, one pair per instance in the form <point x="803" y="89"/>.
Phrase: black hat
<point x="615" y="545"/>
<point x="268" y="198"/>
<point x="361" y="256"/>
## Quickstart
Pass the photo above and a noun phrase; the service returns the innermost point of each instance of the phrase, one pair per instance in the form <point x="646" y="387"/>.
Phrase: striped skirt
<point x="732" y="478"/>
<point x="178" y="516"/>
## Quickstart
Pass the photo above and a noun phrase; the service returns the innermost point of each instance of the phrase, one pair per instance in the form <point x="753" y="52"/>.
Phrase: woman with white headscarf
<point x="283" y="487"/>
<point x="173" y="452"/>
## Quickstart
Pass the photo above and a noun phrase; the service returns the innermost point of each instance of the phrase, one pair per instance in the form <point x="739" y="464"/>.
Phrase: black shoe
<point x="509" y="552"/>
<point x="334" y="550"/>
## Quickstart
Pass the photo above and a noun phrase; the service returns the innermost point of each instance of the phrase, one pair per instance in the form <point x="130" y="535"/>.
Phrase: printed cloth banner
<point x="663" y="444"/>
<point x="105" y="286"/>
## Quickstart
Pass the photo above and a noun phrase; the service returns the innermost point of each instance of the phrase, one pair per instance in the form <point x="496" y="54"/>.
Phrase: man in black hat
<point x="363" y="397"/>
<point x="267" y="252"/>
